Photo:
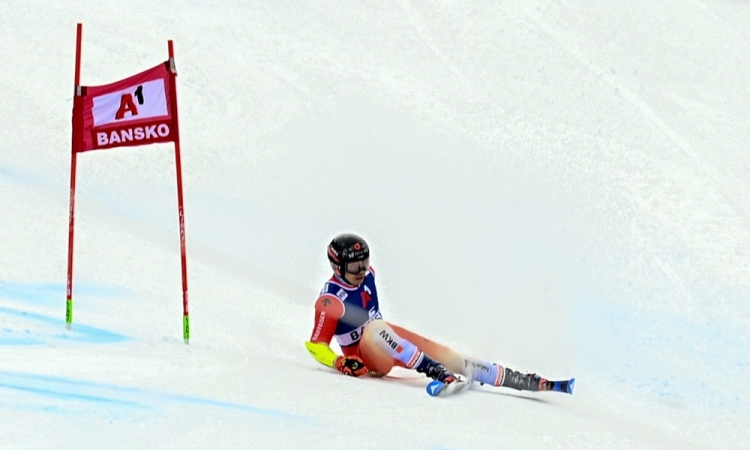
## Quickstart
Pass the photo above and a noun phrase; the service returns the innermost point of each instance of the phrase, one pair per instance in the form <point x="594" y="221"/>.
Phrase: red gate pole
<point x="71" y="218"/>
<point x="181" y="209"/>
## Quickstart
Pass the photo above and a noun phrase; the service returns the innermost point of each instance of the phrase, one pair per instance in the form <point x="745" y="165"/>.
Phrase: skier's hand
<point x="374" y="374"/>
<point x="352" y="366"/>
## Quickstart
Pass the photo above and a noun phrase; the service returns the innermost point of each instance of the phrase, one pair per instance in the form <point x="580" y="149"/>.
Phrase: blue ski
<point x="440" y="389"/>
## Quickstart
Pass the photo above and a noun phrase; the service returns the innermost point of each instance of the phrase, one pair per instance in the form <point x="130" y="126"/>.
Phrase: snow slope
<point x="559" y="186"/>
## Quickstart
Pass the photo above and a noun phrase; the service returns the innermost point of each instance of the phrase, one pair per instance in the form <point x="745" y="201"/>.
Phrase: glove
<point x="352" y="366"/>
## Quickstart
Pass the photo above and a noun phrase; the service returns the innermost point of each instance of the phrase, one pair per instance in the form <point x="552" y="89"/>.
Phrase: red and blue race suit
<point x="343" y="310"/>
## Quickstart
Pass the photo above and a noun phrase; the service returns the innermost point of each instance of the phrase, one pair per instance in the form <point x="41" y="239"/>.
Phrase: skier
<point x="347" y="309"/>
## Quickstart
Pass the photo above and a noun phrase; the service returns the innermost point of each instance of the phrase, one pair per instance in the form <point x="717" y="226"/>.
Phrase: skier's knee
<point x="397" y="347"/>
<point x="374" y="328"/>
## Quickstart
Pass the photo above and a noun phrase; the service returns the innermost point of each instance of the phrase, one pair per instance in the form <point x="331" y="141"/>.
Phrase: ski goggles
<point x="356" y="267"/>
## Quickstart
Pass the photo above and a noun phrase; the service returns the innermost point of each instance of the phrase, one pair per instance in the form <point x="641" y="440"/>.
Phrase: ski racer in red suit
<point x="347" y="309"/>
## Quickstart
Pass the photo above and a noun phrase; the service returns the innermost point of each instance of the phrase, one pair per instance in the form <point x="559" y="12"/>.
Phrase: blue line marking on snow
<point x="60" y="395"/>
<point x="235" y="406"/>
<point x="51" y="329"/>
<point x="71" y="396"/>
<point x="39" y="329"/>
<point x="54" y="293"/>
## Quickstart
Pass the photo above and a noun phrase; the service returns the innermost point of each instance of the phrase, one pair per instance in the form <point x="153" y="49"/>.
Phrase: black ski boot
<point x="434" y="370"/>
<point x="525" y="381"/>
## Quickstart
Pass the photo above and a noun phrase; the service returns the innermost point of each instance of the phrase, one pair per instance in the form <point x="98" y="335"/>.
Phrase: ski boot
<point x="434" y="370"/>
<point x="525" y="381"/>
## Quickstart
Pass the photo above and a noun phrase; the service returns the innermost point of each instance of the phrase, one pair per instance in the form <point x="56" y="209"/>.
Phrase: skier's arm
<point x="328" y="311"/>
<point x="322" y="353"/>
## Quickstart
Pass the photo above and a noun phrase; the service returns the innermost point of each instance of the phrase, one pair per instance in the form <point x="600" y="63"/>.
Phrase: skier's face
<point x="355" y="271"/>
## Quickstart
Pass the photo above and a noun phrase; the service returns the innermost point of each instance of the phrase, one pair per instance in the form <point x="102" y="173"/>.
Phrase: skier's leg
<point x="450" y="358"/>
<point x="476" y="369"/>
<point x="382" y="348"/>
<point x="383" y="352"/>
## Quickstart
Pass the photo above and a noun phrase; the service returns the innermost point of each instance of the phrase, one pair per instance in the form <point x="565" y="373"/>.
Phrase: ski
<point x="561" y="385"/>
<point x="440" y="389"/>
